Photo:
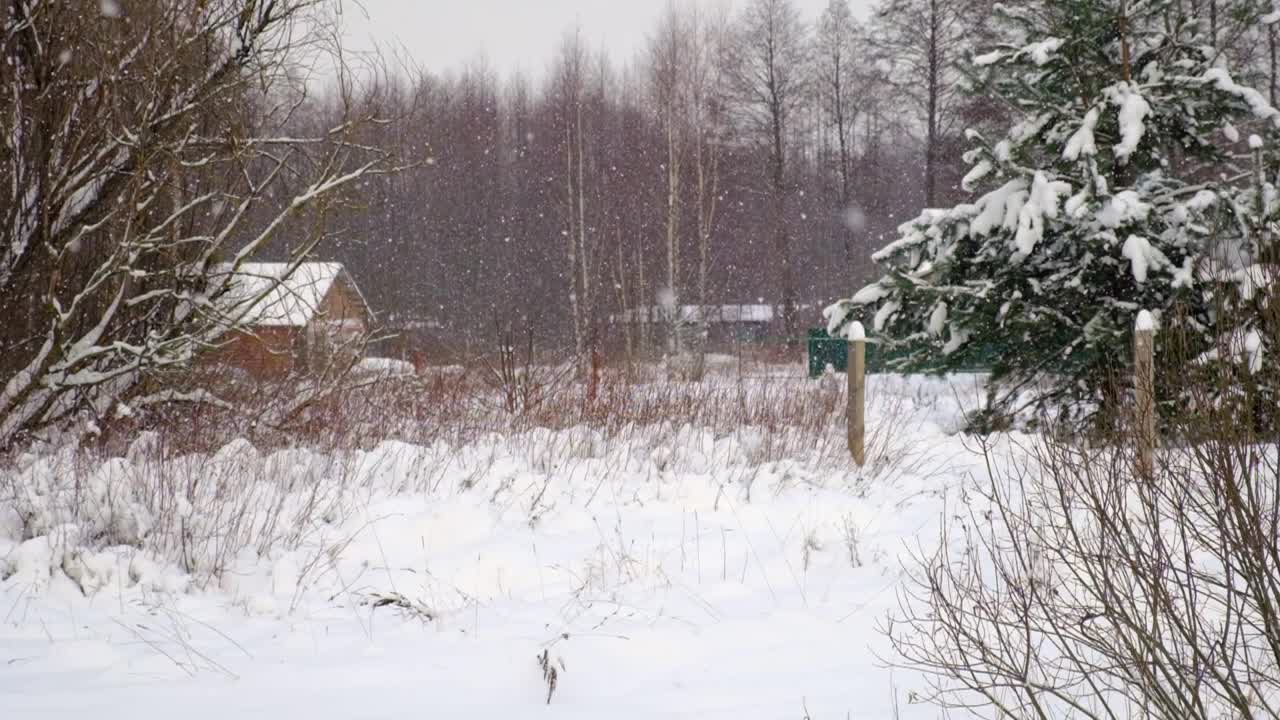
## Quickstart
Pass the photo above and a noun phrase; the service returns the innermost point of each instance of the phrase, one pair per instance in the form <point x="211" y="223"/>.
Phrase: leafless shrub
<point x="198" y="483"/>
<point x="1071" y="584"/>
<point x="146" y="146"/>
<point x="196" y="510"/>
<point x="852" y="541"/>
<point x="520" y="381"/>
<point x="889" y="453"/>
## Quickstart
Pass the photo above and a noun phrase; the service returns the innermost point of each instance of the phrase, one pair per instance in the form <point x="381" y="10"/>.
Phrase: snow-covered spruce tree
<point x="1123" y="183"/>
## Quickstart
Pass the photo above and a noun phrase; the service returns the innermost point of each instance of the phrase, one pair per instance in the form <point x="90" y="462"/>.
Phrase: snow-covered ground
<point x="667" y="572"/>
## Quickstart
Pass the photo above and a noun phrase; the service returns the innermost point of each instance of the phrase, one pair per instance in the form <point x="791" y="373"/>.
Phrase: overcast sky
<point x="512" y="34"/>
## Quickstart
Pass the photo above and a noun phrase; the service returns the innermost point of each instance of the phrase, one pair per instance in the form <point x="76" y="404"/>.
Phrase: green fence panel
<point x="825" y="350"/>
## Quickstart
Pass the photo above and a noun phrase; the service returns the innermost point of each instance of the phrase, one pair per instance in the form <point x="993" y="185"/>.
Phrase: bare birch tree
<point x="707" y="120"/>
<point x="766" y="62"/>
<point x="925" y="42"/>
<point x="570" y="84"/>
<point x="842" y="72"/>
<point x="575" y="98"/>
<point x="669" y="53"/>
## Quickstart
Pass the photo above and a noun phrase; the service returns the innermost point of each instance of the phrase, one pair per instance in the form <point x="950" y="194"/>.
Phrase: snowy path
<point x="748" y="661"/>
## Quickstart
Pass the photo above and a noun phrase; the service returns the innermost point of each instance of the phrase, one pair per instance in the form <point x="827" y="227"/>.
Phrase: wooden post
<point x="1144" y="381"/>
<point x="857" y="393"/>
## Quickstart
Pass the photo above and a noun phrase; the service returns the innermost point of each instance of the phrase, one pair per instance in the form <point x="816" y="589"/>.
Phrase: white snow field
<point x="667" y="572"/>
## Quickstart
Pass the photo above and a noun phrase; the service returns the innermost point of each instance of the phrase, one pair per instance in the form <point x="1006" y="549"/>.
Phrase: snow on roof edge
<point x="275" y="300"/>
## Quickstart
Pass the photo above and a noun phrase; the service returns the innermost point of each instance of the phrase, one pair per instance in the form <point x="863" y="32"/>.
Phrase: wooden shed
<point x="307" y="320"/>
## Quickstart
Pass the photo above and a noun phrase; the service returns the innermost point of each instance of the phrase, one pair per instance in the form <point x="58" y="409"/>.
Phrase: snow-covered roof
<point x="274" y="300"/>
<point x="744" y="313"/>
<point x="696" y="313"/>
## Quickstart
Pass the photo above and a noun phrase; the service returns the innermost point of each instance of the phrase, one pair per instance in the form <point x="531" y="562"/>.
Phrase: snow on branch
<point x="160" y="158"/>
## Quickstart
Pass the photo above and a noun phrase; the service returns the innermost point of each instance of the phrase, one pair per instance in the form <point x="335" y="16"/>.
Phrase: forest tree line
<point x="746" y="155"/>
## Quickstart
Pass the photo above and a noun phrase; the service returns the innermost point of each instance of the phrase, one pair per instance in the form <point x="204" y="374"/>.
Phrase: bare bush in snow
<point x="199" y="511"/>
<point x="1074" y="584"/>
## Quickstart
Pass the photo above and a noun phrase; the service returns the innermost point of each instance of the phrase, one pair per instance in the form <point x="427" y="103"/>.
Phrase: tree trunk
<point x="673" y="235"/>
<point x="571" y="276"/>
<point x="644" y="307"/>
<point x="708" y="186"/>
<point x="843" y="147"/>
<point x="1271" y="50"/>
<point x="624" y="304"/>
<point x="1213" y="23"/>
<point x="585" y="340"/>
<point x="935" y="82"/>
<point x="781" y="238"/>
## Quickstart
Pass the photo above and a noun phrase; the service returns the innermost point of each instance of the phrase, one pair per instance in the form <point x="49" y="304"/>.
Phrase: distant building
<point x="307" y="321"/>
<point x="726" y="326"/>
<point x="415" y="339"/>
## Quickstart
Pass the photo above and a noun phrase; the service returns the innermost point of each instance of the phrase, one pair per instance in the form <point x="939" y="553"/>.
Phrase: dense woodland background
<point x="748" y="155"/>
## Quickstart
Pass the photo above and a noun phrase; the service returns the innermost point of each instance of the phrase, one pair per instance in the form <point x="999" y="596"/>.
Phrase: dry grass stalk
<point x="550" y="673"/>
